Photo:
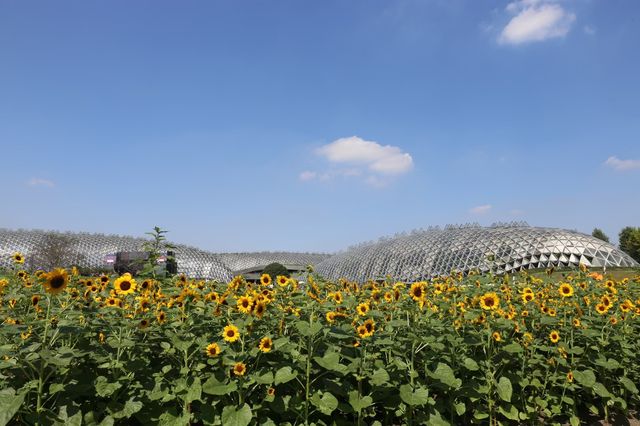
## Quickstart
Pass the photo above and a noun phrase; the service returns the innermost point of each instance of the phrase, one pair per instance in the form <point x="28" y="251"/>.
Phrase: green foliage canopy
<point x="630" y="241"/>
<point x="275" y="269"/>
<point x="599" y="234"/>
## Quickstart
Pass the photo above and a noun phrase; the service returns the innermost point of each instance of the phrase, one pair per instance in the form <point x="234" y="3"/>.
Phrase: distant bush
<point x="275" y="269"/>
<point x="599" y="234"/>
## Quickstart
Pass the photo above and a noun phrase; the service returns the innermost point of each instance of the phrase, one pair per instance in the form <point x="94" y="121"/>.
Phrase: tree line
<point x="629" y="240"/>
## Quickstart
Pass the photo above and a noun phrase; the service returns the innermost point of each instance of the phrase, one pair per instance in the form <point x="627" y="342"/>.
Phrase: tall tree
<point x="56" y="251"/>
<point x="599" y="234"/>
<point x="630" y="242"/>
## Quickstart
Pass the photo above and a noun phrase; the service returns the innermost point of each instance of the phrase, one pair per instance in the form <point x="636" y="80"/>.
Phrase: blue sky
<point x="299" y="125"/>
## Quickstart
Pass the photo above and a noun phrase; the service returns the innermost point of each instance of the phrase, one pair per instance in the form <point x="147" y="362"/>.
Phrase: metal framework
<point x="421" y="254"/>
<point x="93" y="249"/>
<point x="500" y="248"/>
<point x="253" y="262"/>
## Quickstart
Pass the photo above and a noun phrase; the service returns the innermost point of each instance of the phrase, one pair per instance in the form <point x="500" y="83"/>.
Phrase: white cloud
<point x="377" y="158"/>
<point x="308" y="175"/>
<point x="485" y="208"/>
<point x="588" y="29"/>
<point x="40" y="182"/>
<point x="354" y="157"/>
<point x="622" y="165"/>
<point x="535" y="20"/>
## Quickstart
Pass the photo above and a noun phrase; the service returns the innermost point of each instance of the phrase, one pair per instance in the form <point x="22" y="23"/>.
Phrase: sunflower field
<point x="455" y="350"/>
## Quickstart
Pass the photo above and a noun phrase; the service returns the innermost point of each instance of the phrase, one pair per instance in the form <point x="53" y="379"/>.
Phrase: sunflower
<point x="388" y="297"/>
<point x="606" y="301"/>
<point x="112" y="302"/>
<point x="527" y="297"/>
<point x="576" y="322"/>
<point x="161" y="317"/>
<point x="489" y="301"/>
<point x="56" y="281"/>
<point x="362" y="309"/>
<point x="259" y="308"/>
<point x="337" y="297"/>
<point x="496" y="336"/>
<point x="239" y="369"/>
<point x="125" y="284"/>
<point x="565" y="290"/>
<point x="265" y="344"/>
<point x="104" y="279"/>
<point x="554" y="336"/>
<point x="271" y="391"/>
<point x="213" y="350"/>
<point x="417" y="291"/>
<point x="143" y="323"/>
<point x="146" y="284"/>
<point x="362" y="331"/>
<point x="370" y="326"/>
<point x="22" y="274"/>
<point x="244" y="304"/>
<point x="613" y="320"/>
<point x="626" y="306"/>
<point x="570" y="377"/>
<point x="331" y="317"/>
<point x="282" y="280"/>
<point x="18" y="258"/>
<point x="265" y="279"/>
<point x="230" y="333"/>
<point x="601" y="308"/>
<point x="35" y="299"/>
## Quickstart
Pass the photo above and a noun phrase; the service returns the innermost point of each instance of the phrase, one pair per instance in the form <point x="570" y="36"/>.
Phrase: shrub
<point x="275" y="269"/>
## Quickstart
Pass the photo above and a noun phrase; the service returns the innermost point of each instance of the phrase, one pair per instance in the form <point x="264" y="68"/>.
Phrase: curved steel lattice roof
<point x="500" y="248"/>
<point x="92" y="249"/>
<point x="247" y="262"/>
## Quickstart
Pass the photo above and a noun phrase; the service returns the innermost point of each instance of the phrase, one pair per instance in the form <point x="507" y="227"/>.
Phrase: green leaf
<point x="504" y="389"/>
<point x="445" y="374"/>
<point x="359" y="402"/>
<point x="331" y="361"/>
<point x="585" y="377"/>
<point x="65" y="420"/>
<point x="213" y="387"/>
<point x="55" y="388"/>
<point x="308" y="330"/>
<point x="379" y="377"/>
<point x="601" y="391"/>
<point x="574" y="421"/>
<point x="265" y="379"/>
<point x="232" y="416"/>
<point x="608" y="364"/>
<point x="10" y="403"/>
<point x="631" y="387"/>
<point x="511" y="414"/>
<point x="436" y="419"/>
<point x="325" y="402"/>
<point x="104" y="388"/>
<point x="471" y="365"/>
<point x="284" y="374"/>
<point x="130" y="408"/>
<point x="419" y="396"/>
<point x="194" y="392"/>
<point x="513" y="348"/>
<point x="460" y="408"/>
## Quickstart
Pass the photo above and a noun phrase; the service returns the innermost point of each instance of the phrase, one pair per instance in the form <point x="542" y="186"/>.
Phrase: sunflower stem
<point x="41" y="379"/>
